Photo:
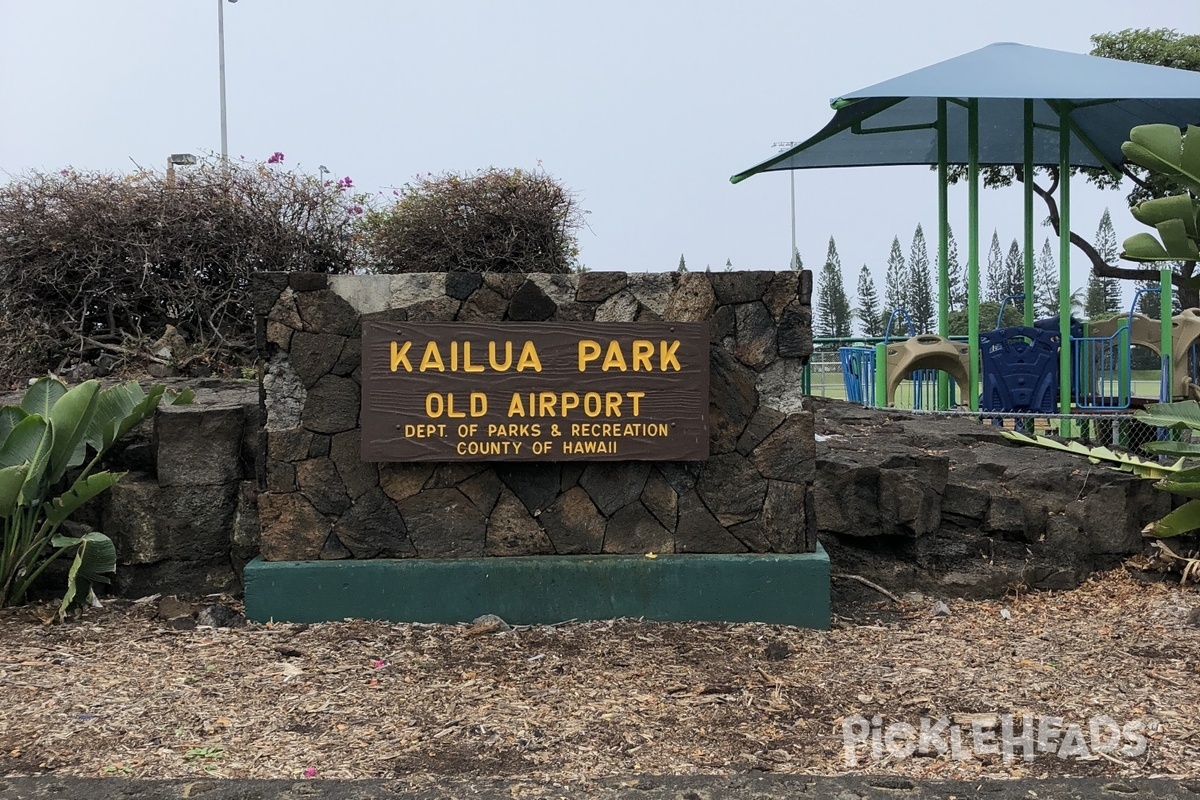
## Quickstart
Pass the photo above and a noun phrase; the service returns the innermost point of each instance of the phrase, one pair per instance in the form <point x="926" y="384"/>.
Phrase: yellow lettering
<point x="547" y="401"/>
<point x="612" y="404"/>
<point x="434" y="406"/>
<point x="642" y="351"/>
<point x="666" y="355"/>
<point x="529" y="358"/>
<point x="454" y="356"/>
<point x="515" y="407"/>
<point x="450" y="412"/>
<point x="570" y="400"/>
<point x="467" y="365"/>
<point x="400" y="356"/>
<point x="591" y="404"/>
<point x="432" y="358"/>
<point x="635" y="397"/>
<point x="496" y="365"/>
<point x="479" y="404"/>
<point x="589" y="350"/>
<point x="613" y="358"/>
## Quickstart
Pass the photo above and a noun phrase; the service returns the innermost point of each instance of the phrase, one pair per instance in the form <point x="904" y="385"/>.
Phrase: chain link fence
<point x="834" y="373"/>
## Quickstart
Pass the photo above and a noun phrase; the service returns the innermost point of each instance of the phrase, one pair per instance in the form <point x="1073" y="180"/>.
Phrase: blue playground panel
<point x="1019" y="370"/>
<point x="858" y="372"/>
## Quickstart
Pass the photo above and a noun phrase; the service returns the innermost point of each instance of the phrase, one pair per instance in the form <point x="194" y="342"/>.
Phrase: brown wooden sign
<point x="550" y="391"/>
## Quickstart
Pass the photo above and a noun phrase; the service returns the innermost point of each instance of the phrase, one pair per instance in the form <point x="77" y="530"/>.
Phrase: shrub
<point x="492" y="220"/>
<point x="93" y="262"/>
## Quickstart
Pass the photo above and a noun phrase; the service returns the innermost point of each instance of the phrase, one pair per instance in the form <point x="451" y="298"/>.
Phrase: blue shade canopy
<point x="894" y="122"/>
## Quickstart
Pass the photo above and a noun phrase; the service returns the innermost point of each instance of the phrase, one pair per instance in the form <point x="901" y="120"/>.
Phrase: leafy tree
<point x="1045" y="282"/>
<point x="833" y="309"/>
<point x="493" y="220"/>
<point x="682" y="264"/>
<point x="997" y="280"/>
<point x="869" y="318"/>
<point x="97" y="262"/>
<point x="729" y="265"/>
<point x="895" y="281"/>
<point x="920" y="301"/>
<point x="797" y="264"/>
<point x="988" y="311"/>
<point x="1014" y="270"/>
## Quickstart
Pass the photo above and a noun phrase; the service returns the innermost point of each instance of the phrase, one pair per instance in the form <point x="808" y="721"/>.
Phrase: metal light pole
<point x="221" y="62"/>
<point x="183" y="160"/>
<point x="791" y="177"/>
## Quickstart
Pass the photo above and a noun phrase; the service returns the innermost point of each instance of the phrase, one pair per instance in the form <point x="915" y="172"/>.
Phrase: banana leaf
<point x="1183" y="449"/>
<point x="1138" y="466"/>
<point x="11" y="481"/>
<point x="1160" y="209"/>
<point x="9" y="417"/>
<point x="41" y="396"/>
<point x="1162" y="148"/>
<point x="95" y="559"/>
<point x="58" y="509"/>
<point x="1177" y="416"/>
<point x="1182" y="520"/>
<point x="70" y="417"/>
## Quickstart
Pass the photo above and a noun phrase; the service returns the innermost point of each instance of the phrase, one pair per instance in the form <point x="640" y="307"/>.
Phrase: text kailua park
<point x="534" y="391"/>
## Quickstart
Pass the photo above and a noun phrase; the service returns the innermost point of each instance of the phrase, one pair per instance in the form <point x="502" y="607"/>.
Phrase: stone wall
<point x="318" y="500"/>
<point x="184" y="517"/>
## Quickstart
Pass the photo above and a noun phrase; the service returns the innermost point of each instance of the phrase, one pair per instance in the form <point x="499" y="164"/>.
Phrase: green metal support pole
<point x="881" y="376"/>
<point x="973" y="251"/>
<point x="1165" y="340"/>
<point x="943" y="396"/>
<point x="1028" y="187"/>
<point x="1064" y="264"/>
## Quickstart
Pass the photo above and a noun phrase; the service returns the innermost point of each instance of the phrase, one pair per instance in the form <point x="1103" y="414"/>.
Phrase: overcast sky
<point x="643" y="108"/>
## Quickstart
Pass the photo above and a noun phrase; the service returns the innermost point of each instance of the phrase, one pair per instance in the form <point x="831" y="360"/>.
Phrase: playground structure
<point x="1020" y="365"/>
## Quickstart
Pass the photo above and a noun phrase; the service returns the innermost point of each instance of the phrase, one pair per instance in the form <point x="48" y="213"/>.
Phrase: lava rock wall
<point x="318" y="500"/>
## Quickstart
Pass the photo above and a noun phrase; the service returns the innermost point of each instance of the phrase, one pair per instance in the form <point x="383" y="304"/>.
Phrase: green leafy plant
<point x="46" y="474"/>
<point x="1180" y="416"/>
<point x="205" y="757"/>
<point x="1179" y="477"/>
<point x="1175" y="157"/>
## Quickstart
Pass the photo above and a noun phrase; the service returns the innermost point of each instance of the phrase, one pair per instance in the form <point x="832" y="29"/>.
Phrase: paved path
<point x="739" y="787"/>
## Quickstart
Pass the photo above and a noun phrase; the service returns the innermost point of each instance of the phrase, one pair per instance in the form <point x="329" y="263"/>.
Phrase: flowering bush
<point x="94" y="262"/>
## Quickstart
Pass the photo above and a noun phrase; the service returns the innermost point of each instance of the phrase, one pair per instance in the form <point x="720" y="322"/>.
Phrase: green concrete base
<point x="790" y="589"/>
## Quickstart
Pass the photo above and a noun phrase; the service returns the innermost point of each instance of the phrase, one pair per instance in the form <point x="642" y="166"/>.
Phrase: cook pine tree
<point x="870" y="321"/>
<point x="1104" y="294"/>
<point x="996" y="281"/>
<point x="833" y="309"/>
<point x="956" y="279"/>
<point x="1014" y="272"/>
<point x="1045" y="282"/>
<point x="895" y="283"/>
<point x="919" y="300"/>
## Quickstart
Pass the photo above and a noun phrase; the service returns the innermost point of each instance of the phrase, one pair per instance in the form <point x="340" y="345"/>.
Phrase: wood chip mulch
<point x="118" y="692"/>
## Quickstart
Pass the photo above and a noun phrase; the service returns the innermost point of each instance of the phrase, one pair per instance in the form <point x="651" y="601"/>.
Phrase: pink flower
<point x="310" y="772"/>
<point x="378" y="663"/>
<point x="345" y="182"/>
<point x="276" y="158"/>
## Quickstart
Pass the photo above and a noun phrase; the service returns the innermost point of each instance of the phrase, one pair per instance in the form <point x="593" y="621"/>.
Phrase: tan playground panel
<point x="927" y="351"/>
<point x="1146" y="332"/>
